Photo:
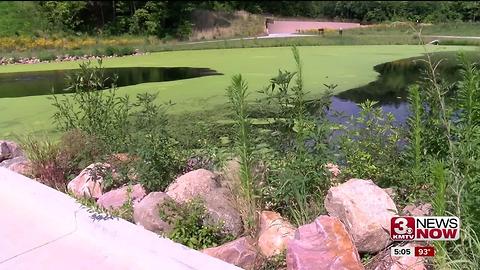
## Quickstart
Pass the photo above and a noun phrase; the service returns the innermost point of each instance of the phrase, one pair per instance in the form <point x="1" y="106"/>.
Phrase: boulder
<point x="274" y="233"/>
<point x="192" y="184"/>
<point x="366" y="210"/>
<point x="9" y="150"/>
<point x="89" y="182"/>
<point x="220" y="209"/>
<point x="420" y="210"/>
<point x="384" y="261"/>
<point x="217" y="200"/>
<point x="240" y="252"/>
<point x="18" y="164"/>
<point x="323" y="244"/>
<point x="146" y="212"/>
<point x="116" y="198"/>
<point x="230" y="174"/>
<point x="391" y="192"/>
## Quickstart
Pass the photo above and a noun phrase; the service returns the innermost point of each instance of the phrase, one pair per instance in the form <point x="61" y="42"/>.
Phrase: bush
<point x="125" y="51"/>
<point x="111" y="51"/>
<point x="370" y="146"/>
<point x="102" y="114"/>
<point x="190" y="225"/>
<point x="79" y="150"/>
<point x="298" y="138"/>
<point x="139" y="128"/>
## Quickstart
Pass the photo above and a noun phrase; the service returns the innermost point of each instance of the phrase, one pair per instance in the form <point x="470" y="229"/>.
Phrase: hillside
<point x="19" y="18"/>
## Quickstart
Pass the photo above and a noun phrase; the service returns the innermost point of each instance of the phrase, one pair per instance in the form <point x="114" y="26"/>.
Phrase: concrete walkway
<point x="42" y="228"/>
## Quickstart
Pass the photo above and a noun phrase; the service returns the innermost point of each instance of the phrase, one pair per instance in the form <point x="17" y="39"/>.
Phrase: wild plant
<point x="370" y="145"/>
<point x="297" y="178"/>
<point x="455" y="174"/>
<point x="237" y="94"/>
<point x="138" y="127"/>
<point x="416" y="131"/>
<point x="94" y="107"/>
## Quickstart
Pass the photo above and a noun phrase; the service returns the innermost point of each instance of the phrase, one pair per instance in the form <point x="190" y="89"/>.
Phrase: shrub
<point x="370" y="145"/>
<point x="110" y="51"/>
<point x="99" y="113"/>
<point x="139" y="128"/>
<point x="125" y="51"/>
<point x="150" y="141"/>
<point x="298" y="138"/>
<point x="190" y="225"/>
<point x="78" y="150"/>
<point x="45" y="162"/>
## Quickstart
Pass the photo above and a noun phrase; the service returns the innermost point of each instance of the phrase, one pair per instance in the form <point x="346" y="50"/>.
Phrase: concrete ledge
<point x="42" y="228"/>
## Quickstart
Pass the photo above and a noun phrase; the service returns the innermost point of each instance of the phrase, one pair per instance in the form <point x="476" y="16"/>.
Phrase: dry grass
<point x="220" y="25"/>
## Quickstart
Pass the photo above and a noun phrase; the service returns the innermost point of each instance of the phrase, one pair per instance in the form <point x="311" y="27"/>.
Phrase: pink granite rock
<point x="323" y="244"/>
<point x="192" y="184"/>
<point x="220" y="210"/>
<point x="146" y="212"/>
<point x="420" y="210"/>
<point x="201" y="184"/>
<point x="116" y="198"/>
<point x="240" y="252"/>
<point x="274" y="233"/>
<point x="9" y="150"/>
<point x="384" y="261"/>
<point x="365" y="209"/>
<point x="89" y="182"/>
<point x="19" y="165"/>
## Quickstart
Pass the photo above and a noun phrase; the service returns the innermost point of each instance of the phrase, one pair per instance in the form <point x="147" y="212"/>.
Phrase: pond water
<point x="21" y="84"/>
<point x="390" y="88"/>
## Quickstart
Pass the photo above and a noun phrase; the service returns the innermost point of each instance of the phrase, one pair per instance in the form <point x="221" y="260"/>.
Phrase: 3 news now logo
<point x="424" y="228"/>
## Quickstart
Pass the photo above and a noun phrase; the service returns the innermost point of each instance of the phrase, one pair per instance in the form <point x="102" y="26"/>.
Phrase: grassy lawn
<point x="347" y="66"/>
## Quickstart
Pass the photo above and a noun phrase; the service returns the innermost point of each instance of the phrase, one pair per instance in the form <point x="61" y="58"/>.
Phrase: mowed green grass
<point x="346" y="66"/>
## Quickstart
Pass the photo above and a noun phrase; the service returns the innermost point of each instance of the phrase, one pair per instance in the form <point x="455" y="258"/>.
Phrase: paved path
<point x="453" y="37"/>
<point x="284" y="35"/>
<point x="42" y="228"/>
<point x="281" y="27"/>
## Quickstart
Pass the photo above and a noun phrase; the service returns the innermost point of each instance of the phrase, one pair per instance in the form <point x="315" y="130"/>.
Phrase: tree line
<point x="173" y="18"/>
